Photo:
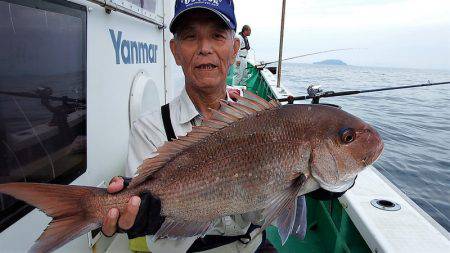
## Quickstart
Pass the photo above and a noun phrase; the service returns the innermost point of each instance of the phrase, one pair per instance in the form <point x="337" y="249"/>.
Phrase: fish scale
<point x="262" y="161"/>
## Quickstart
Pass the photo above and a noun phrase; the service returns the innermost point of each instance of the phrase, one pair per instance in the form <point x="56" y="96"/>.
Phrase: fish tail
<point x="66" y="204"/>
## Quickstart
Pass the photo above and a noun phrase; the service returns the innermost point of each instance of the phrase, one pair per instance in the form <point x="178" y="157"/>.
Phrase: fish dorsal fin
<point x="225" y="107"/>
<point x="257" y="99"/>
<point x="251" y="104"/>
<point x="170" y="149"/>
<point x="229" y="113"/>
<point x="275" y="103"/>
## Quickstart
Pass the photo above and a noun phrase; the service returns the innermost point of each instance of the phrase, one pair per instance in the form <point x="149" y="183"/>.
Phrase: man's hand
<point x="234" y="93"/>
<point x="114" y="220"/>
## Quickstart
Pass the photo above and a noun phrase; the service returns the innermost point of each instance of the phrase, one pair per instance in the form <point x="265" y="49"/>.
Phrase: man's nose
<point x="205" y="47"/>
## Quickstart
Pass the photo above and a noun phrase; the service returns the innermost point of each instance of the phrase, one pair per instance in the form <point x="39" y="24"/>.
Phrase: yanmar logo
<point x="213" y="2"/>
<point x="132" y="52"/>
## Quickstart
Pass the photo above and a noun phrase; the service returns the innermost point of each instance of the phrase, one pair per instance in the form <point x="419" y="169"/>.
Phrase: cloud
<point x="344" y="13"/>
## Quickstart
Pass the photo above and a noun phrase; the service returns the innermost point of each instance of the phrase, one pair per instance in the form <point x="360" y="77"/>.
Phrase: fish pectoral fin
<point x="172" y="228"/>
<point x="292" y="220"/>
<point x="283" y="207"/>
<point x="300" y="218"/>
<point x="285" y="222"/>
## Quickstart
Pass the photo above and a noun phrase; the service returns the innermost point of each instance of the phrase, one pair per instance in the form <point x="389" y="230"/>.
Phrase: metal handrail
<point x="109" y="6"/>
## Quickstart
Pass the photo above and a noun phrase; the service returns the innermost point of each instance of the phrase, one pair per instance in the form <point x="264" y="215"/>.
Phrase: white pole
<point x="280" y="58"/>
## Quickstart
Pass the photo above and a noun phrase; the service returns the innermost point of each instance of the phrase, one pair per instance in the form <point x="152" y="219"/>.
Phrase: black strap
<point x="165" y="111"/>
<point x="246" y="44"/>
<point x="264" y="243"/>
<point x="214" y="241"/>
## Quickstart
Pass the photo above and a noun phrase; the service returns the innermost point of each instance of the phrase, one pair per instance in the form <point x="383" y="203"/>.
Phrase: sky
<point x="388" y="33"/>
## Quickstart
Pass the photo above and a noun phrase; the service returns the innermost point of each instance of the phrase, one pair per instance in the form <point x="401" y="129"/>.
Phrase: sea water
<point x="414" y="124"/>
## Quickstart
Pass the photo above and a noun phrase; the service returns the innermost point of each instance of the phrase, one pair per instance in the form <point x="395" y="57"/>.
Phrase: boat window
<point x="146" y="9"/>
<point x="149" y="5"/>
<point x="42" y="96"/>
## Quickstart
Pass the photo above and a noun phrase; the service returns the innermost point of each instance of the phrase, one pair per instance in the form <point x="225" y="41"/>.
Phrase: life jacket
<point x="246" y="44"/>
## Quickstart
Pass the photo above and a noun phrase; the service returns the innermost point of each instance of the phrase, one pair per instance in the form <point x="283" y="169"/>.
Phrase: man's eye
<point x="189" y="36"/>
<point x="219" y="36"/>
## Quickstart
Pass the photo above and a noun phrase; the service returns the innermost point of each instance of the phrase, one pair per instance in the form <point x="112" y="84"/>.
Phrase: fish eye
<point x="347" y="135"/>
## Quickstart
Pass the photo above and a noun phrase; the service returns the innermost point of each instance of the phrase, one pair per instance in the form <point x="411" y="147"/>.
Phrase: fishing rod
<point x="34" y="95"/>
<point x="316" y="93"/>
<point x="304" y="55"/>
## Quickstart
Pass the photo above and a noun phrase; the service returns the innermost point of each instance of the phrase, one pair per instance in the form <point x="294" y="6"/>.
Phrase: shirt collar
<point x="187" y="108"/>
<point x="188" y="111"/>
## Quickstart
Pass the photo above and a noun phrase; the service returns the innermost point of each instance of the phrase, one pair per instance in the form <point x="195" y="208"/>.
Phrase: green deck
<point x="330" y="229"/>
<point x="254" y="83"/>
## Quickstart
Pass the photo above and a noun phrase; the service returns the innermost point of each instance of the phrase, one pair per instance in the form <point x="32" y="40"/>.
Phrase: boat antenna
<point x="316" y="93"/>
<point x="263" y="64"/>
<point x="280" y="58"/>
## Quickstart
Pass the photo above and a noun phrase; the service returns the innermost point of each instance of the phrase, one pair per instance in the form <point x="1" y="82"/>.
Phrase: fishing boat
<point x="114" y="56"/>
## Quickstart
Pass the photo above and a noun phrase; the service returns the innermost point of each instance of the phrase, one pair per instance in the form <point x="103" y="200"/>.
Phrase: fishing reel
<point x="315" y="91"/>
<point x="43" y="91"/>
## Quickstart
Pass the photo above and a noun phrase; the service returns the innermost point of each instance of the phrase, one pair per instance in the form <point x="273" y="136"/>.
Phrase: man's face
<point x="205" y="49"/>
<point x="248" y="32"/>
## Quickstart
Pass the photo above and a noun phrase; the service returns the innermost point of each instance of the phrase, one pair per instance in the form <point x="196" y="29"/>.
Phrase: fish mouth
<point x="206" y="67"/>
<point x="341" y="186"/>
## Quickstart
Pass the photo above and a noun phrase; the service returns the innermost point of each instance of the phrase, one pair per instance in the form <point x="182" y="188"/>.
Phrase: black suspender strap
<point x="165" y="111"/>
<point x="246" y="44"/>
<point x="214" y="241"/>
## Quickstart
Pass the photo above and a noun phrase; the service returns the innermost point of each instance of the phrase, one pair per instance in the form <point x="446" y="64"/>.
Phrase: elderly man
<point x="205" y="46"/>
<point x="240" y="66"/>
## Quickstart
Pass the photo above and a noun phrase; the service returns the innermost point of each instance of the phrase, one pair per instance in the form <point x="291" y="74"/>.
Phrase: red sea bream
<point x="252" y="155"/>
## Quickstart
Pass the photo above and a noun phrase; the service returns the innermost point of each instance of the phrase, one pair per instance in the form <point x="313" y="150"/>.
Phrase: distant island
<point x="331" y="62"/>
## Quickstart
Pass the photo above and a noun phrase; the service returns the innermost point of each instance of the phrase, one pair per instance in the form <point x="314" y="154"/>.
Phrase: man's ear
<point x="173" y="48"/>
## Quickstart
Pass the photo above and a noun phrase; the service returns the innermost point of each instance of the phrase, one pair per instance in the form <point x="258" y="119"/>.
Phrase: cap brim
<point x="223" y="17"/>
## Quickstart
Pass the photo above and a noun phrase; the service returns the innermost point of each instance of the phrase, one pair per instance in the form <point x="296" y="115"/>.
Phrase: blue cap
<point x="223" y="8"/>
